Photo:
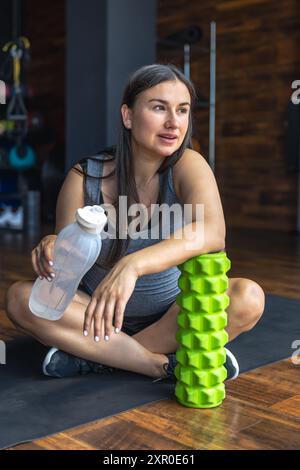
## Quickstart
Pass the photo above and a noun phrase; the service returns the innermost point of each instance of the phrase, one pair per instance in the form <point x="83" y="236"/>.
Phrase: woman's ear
<point x="126" y="116"/>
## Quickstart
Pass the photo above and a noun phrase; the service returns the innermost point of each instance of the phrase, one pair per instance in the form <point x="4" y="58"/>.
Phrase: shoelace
<point x="169" y="374"/>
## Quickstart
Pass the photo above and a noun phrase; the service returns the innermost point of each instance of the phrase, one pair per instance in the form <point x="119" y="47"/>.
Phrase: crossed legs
<point x="247" y="302"/>
<point x="145" y="352"/>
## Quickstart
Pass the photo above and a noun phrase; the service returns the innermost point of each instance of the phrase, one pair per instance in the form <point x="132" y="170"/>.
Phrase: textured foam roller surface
<point x="201" y="336"/>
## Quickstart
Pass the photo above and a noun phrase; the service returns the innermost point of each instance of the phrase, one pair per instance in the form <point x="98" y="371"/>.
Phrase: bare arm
<point x="69" y="199"/>
<point x="196" y="185"/>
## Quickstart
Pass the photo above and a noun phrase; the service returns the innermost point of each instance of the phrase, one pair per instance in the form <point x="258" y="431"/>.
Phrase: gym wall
<point x="257" y="60"/>
<point x="44" y="25"/>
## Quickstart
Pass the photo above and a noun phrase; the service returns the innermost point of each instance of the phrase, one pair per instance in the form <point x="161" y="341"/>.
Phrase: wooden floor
<point x="262" y="408"/>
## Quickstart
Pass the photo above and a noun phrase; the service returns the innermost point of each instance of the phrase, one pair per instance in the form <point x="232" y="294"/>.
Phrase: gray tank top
<point x="153" y="293"/>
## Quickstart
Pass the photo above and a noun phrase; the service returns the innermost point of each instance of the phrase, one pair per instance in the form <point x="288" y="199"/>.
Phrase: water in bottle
<point x="76" y="249"/>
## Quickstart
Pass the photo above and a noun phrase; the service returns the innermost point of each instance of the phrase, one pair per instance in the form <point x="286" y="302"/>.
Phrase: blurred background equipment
<point x="21" y="156"/>
<point x="18" y="159"/>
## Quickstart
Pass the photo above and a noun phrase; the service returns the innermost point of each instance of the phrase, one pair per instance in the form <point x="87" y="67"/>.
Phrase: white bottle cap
<point x="91" y="218"/>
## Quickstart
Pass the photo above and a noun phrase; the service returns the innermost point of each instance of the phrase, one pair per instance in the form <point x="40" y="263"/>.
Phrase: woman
<point x="124" y="315"/>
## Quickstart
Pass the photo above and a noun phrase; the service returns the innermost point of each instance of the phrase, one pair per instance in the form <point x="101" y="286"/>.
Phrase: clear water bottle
<point x="76" y="249"/>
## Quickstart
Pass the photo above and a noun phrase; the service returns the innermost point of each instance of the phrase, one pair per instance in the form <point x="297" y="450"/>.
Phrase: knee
<point x="14" y="301"/>
<point x="252" y="303"/>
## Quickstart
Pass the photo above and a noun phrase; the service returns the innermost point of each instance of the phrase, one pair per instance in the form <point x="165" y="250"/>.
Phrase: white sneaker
<point x="5" y="215"/>
<point x="11" y="219"/>
<point x="16" y="218"/>
<point x="231" y="365"/>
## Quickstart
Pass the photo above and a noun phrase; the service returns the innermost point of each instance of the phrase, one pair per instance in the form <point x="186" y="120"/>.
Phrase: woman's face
<point x="159" y="119"/>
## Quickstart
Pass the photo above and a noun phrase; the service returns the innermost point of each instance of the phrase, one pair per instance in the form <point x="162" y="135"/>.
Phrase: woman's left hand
<point x="109" y="299"/>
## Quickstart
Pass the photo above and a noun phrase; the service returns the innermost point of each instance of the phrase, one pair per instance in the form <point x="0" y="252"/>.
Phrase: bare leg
<point x="121" y="351"/>
<point x="245" y="309"/>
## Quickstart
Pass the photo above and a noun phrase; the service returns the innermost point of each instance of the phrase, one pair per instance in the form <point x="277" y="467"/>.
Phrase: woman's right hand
<point x="42" y="257"/>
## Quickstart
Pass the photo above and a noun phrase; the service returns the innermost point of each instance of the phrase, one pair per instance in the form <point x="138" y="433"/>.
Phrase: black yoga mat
<point x="33" y="406"/>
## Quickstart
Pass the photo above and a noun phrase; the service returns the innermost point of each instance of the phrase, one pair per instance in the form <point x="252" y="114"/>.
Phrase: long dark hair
<point x="142" y="79"/>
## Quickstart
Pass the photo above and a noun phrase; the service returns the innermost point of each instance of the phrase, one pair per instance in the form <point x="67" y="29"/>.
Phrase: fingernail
<point x="97" y="338"/>
<point x="117" y="330"/>
<point x="106" y="338"/>
<point x="49" y="279"/>
<point x="85" y="333"/>
<point x="41" y="277"/>
<point x="52" y="275"/>
<point x="51" y="263"/>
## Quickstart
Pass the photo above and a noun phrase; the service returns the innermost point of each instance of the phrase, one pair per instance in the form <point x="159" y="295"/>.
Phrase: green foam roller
<point x="201" y="334"/>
